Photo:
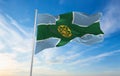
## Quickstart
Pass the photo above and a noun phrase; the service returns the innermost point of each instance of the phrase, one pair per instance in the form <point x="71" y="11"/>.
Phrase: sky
<point x="73" y="59"/>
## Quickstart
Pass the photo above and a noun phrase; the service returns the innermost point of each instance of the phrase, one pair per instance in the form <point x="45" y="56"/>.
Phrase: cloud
<point x="15" y="47"/>
<point x="12" y="36"/>
<point x="62" y="59"/>
<point x="1" y="45"/>
<point x="50" y="72"/>
<point x="6" y="58"/>
<point x="9" y="66"/>
<point x="15" y="24"/>
<point x="56" y="56"/>
<point x="111" y="17"/>
<point x="92" y="59"/>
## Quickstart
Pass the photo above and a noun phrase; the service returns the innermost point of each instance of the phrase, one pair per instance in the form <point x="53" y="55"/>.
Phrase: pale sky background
<point x="73" y="59"/>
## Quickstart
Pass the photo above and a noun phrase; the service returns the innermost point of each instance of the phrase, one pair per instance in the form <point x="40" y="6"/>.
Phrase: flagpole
<point x="34" y="43"/>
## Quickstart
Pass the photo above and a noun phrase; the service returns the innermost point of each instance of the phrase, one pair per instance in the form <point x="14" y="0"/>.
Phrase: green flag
<point x="65" y="29"/>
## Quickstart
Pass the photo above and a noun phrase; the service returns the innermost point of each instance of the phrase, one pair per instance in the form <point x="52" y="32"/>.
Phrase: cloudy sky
<point x="73" y="59"/>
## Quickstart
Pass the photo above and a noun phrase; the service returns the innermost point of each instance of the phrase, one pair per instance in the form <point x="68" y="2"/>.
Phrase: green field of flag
<point x="65" y="28"/>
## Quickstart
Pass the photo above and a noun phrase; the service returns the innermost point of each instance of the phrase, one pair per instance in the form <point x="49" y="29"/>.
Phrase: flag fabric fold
<point x="55" y="32"/>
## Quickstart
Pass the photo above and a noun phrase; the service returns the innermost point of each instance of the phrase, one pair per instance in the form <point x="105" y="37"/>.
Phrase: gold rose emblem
<point x="64" y="31"/>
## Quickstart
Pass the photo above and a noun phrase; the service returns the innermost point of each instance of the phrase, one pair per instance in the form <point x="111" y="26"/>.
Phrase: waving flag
<point x="58" y="31"/>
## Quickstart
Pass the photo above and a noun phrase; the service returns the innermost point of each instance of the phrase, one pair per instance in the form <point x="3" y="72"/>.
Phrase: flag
<point x="58" y="31"/>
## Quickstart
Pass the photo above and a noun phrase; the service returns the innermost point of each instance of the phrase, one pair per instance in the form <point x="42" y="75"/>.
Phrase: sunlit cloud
<point x="15" y="47"/>
<point x="46" y="71"/>
<point x="10" y="66"/>
<point x="6" y="58"/>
